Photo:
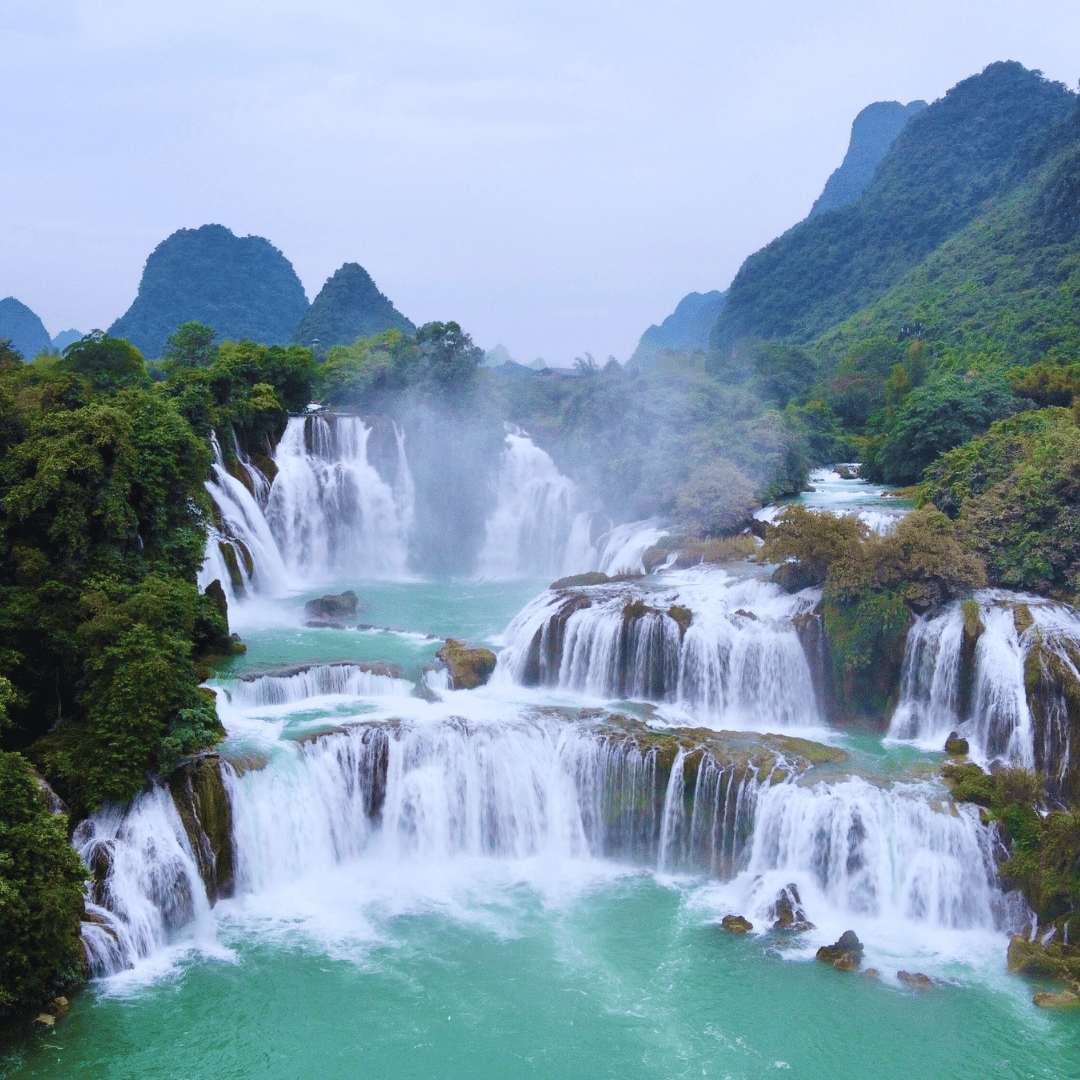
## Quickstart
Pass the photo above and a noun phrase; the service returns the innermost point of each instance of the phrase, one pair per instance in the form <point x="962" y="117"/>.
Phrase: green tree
<point x="106" y="363"/>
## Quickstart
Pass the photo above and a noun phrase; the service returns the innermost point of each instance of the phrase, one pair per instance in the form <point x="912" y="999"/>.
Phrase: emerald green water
<point x="495" y="968"/>
<point x="622" y="978"/>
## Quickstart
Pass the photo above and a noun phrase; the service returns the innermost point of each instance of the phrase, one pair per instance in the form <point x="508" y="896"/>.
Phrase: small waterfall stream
<point x="1005" y="686"/>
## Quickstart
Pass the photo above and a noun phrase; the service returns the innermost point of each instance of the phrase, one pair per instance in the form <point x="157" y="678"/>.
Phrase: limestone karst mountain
<point x="873" y="131"/>
<point x="687" y="327"/>
<point x="24" y="329"/>
<point x="349" y="306"/>
<point x="242" y="286"/>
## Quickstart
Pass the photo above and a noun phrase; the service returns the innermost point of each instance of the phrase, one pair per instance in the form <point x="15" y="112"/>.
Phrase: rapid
<point x="380" y="875"/>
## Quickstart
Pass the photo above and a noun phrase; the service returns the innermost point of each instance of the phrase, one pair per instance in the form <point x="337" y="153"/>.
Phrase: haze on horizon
<point x="554" y="178"/>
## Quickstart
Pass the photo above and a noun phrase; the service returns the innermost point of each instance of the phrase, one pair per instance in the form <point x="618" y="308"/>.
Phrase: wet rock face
<point x="845" y="954"/>
<point x="956" y="746"/>
<point x="203" y="805"/>
<point x="468" y="668"/>
<point x="787" y="911"/>
<point x="736" y="924"/>
<point x="915" y="980"/>
<point x="1066" y="999"/>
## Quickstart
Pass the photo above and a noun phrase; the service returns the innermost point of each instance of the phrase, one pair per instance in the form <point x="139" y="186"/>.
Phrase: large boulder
<point x="845" y="954"/>
<point x="468" y="668"/>
<point x="736" y="924"/>
<point x="331" y="608"/>
<point x="202" y="802"/>
<point x="787" y="911"/>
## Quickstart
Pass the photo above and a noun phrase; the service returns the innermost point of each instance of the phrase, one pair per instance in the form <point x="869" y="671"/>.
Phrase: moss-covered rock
<point x="333" y="608"/>
<point x="845" y="954"/>
<point x="468" y="668"/>
<point x="578" y="580"/>
<point x="202" y="802"/>
<point x="736" y="924"/>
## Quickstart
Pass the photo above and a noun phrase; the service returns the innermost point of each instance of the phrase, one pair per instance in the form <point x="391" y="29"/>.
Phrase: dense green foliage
<point x="1044" y="862"/>
<point x="349" y="306"/>
<point x="872" y="584"/>
<point x="979" y="141"/>
<point x="102" y="530"/>
<point x="242" y="286"/>
<point x="1015" y="496"/>
<point x="41" y="892"/>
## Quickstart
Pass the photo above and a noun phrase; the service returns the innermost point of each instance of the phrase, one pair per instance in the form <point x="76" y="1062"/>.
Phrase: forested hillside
<point x="241" y="285"/>
<point x="951" y="162"/>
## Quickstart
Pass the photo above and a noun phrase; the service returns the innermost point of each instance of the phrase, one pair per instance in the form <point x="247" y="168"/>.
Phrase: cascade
<point x="725" y="649"/>
<point x="146" y="885"/>
<point x="1004" y="683"/>
<point x="241" y="551"/>
<point x="330" y="509"/>
<point x="878" y="853"/>
<point x="314" y="680"/>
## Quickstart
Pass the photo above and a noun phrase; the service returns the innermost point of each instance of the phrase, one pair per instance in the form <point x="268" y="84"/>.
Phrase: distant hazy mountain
<point x="240" y="285"/>
<point x="65" y="338"/>
<point x="349" y="306"/>
<point x="687" y="327"/>
<point x="872" y="133"/>
<point x="17" y="322"/>
<point x="498" y="356"/>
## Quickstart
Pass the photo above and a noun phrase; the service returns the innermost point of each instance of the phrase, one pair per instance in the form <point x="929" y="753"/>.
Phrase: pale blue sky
<point x="555" y="176"/>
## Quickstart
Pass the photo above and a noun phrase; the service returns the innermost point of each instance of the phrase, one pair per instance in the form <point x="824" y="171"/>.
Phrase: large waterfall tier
<point x="556" y="784"/>
<point x="343" y="505"/>
<point x="329" y="507"/>
<point x="1003" y="671"/>
<point x="725" y="649"/>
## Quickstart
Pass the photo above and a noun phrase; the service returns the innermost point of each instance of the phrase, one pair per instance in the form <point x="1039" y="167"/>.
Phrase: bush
<point x="1014" y="494"/>
<point x="717" y="501"/>
<point x="41" y="892"/>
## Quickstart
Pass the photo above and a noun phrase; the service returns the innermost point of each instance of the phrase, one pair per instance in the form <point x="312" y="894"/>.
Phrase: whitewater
<point x="527" y="879"/>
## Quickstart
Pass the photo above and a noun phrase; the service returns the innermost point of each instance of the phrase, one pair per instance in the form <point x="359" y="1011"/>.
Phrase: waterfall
<point x="315" y="680"/>
<point x="724" y="649"/>
<point x="883" y="854"/>
<point x="146" y="885"/>
<point x="331" y="510"/>
<point x="1008" y="694"/>
<point x="242" y="553"/>
<point x="529" y="532"/>
<point x="422" y="793"/>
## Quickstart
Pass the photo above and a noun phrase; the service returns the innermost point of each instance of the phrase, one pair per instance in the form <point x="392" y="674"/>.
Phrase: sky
<point x="554" y="176"/>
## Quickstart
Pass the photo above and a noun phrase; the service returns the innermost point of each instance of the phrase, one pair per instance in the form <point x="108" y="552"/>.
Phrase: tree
<point x="107" y="363"/>
<point x="192" y="345"/>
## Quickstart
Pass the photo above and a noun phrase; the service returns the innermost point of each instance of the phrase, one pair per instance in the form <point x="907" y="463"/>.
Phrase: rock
<point x="872" y="973"/>
<point x="202" y="801"/>
<point x="59" y="1006"/>
<point x="916" y="980"/>
<point x="594" y="577"/>
<point x="746" y="614"/>
<point x="46" y="1019"/>
<point x="217" y="594"/>
<point x="845" y="954"/>
<point x="954" y="745"/>
<point x="333" y="607"/>
<point x="468" y="668"/>
<point x="736" y="924"/>
<point x="787" y="911"/>
<point x="1030" y="958"/>
<point x="1065" y="1000"/>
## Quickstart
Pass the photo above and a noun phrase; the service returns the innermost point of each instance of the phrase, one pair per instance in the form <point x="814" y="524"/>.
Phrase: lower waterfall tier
<point x="549" y="785"/>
